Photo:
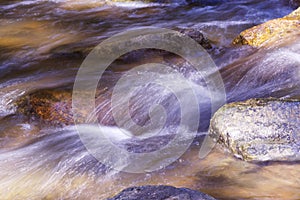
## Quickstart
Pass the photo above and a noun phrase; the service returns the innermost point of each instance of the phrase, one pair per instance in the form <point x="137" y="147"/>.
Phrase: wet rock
<point x="295" y="2"/>
<point x="49" y="106"/>
<point x="160" y="193"/>
<point x="54" y="107"/>
<point x="143" y="56"/>
<point x="198" y="36"/>
<point x="270" y="32"/>
<point x="265" y="72"/>
<point x="259" y="129"/>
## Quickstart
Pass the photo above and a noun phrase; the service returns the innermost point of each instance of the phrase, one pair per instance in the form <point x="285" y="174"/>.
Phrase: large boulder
<point x="270" y="31"/>
<point x="259" y="129"/>
<point x="160" y="193"/>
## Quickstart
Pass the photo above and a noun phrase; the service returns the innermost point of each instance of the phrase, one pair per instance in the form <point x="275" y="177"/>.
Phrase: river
<point x="43" y="44"/>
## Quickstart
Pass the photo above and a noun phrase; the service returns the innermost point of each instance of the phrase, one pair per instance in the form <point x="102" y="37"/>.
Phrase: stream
<point x="43" y="44"/>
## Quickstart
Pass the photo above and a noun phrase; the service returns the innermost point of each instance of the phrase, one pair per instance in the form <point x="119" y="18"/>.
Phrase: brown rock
<point x="50" y="106"/>
<point x="54" y="107"/>
<point x="271" y="31"/>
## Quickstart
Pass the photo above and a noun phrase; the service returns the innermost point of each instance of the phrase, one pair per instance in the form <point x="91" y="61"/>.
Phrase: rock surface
<point x="295" y="2"/>
<point x="160" y="193"/>
<point x="50" y="106"/>
<point x="270" y="31"/>
<point x="198" y="36"/>
<point x="259" y="129"/>
<point x="54" y="107"/>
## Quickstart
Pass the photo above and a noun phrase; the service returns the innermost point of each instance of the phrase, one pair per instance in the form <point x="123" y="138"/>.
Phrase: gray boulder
<point x="259" y="129"/>
<point x="160" y="192"/>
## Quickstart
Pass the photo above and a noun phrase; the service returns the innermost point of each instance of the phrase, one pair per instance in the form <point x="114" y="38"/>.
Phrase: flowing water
<point x="43" y="44"/>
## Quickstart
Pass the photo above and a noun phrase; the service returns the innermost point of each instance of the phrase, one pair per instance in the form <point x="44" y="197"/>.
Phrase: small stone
<point x="198" y="36"/>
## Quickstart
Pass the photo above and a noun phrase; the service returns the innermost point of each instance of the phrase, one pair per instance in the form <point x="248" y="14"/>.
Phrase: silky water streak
<point x="99" y="144"/>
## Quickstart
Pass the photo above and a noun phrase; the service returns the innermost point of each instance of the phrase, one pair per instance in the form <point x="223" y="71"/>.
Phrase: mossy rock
<point x="271" y="31"/>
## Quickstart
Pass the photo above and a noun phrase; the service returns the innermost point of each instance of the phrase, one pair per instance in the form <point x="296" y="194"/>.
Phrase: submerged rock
<point x="259" y="129"/>
<point x="271" y="31"/>
<point x="160" y="193"/>
<point x="53" y="107"/>
<point x="49" y="106"/>
<point x="265" y="72"/>
<point x="198" y="36"/>
<point x="143" y="55"/>
<point x="295" y="2"/>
